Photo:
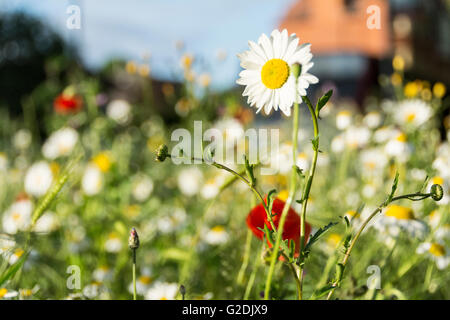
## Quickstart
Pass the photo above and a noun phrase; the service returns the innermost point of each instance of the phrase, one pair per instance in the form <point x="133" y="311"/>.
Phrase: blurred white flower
<point x="162" y="291"/>
<point x="38" y="179"/>
<point x="398" y="148"/>
<point x="189" y="181"/>
<point x="343" y="119"/>
<point x="373" y="161"/>
<point x="216" y="236"/>
<point x="113" y="244"/>
<point x="102" y="274"/>
<point x="3" y="162"/>
<point x="18" y="216"/>
<point x="6" y="294"/>
<point x="92" y="181"/>
<point x="357" y="137"/>
<point x="143" y="187"/>
<point x="48" y="222"/>
<point x="338" y="143"/>
<point x="372" y="119"/>
<point x="384" y="134"/>
<point x="396" y="219"/>
<point x="142" y="282"/>
<point x="119" y="110"/>
<point x="22" y="139"/>
<point x="60" y="143"/>
<point x="412" y="112"/>
<point x="437" y="252"/>
<point x="171" y="221"/>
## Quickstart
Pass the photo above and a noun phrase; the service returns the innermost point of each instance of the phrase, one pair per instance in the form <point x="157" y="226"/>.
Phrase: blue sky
<point x="128" y="29"/>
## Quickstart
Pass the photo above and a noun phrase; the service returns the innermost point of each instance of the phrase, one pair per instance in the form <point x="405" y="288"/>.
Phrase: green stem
<point x="134" y="274"/>
<point x="305" y="196"/>
<point x="248" y="242"/>
<point x="412" y="196"/>
<point x="292" y="189"/>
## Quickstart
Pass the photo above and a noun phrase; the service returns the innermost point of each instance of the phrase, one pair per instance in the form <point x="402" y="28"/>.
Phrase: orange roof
<point x="333" y="28"/>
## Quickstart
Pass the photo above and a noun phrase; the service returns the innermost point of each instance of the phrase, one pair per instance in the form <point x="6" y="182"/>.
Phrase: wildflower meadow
<point x="115" y="184"/>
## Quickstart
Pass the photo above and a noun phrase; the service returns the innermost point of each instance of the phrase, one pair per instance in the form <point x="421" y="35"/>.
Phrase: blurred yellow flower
<point x="334" y="239"/>
<point x="398" y="63"/>
<point x="396" y="79"/>
<point x="399" y="212"/>
<point x="187" y="60"/>
<point x="426" y="94"/>
<point x="283" y="195"/>
<point x="439" y="90"/>
<point x="144" y="70"/>
<point x="131" y="67"/>
<point x="411" y="89"/>
<point x="204" y="80"/>
<point x="103" y="161"/>
<point x="437" y="180"/>
<point x="437" y="250"/>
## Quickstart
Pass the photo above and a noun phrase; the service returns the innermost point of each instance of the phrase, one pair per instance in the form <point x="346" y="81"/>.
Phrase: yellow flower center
<point x="351" y="213"/>
<point x="3" y="291"/>
<point x="283" y="195"/>
<point x="103" y="161"/>
<point x="437" y="250"/>
<point x="145" y="279"/>
<point x="410" y="117"/>
<point x="438" y="180"/>
<point x="439" y="89"/>
<point x="334" y="239"/>
<point x="275" y="73"/>
<point x="399" y="212"/>
<point x="401" y="137"/>
<point x="218" y="229"/>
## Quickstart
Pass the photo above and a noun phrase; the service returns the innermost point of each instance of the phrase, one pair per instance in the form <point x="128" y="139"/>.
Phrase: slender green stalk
<point x="292" y="190"/>
<point x="307" y="190"/>
<point x="134" y="274"/>
<point x="248" y="242"/>
<point x="412" y="196"/>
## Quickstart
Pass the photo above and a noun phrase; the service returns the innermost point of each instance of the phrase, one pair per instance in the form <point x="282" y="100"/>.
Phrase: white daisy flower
<point x="343" y="119"/>
<point x="18" y="216"/>
<point x="357" y="137"/>
<point x="437" y="252"/>
<point x="413" y="112"/>
<point x="142" y="188"/>
<point x="338" y="143"/>
<point x="113" y="244"/>
<point x="171" y="221"/>
<point x="211" y="187"/>
<point x="189" y="181"/>
<point x="372" y="119"/>
<point x="92" y="181"/>
<point x="119" y="110"/>
<point x="6" y="294"/>
<point x="6" y="244"/>
<point x="38" y="179"/>
<point x="48" y="222"/>
<point x="60" y="143"/>
<point x="162" y="291"/>
<point x="216" y="236"/>
<point x="102" y="274"/>
<point x="267" y="75"/>
<point x="397" y="219"/>
<point x="384" y="134"/>
<point x="398" y="147"/>
<point x="22" y="139"/>
<point x="373" y="161"/>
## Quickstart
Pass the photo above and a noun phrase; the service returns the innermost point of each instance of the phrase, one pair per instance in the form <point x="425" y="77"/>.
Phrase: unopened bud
<point x="133" y="240"/>
<point x="182" y="291"/>
<point x="437" y="192"/>
<point x="161" y="153"/>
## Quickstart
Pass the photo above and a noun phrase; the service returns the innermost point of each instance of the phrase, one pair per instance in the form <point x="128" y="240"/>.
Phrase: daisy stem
<point x="305" y="195"/>
<point x="292" y="189"/>
<point x="134" y="274"/>
<point x="412" y="196"/>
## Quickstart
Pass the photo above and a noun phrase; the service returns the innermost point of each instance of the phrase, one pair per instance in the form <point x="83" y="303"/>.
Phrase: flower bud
<point x="133" y="240"/>
<point x="162" y="153"/>
<point x="437" y="192"/>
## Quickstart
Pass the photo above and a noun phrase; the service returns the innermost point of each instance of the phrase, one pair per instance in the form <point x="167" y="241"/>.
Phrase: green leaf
<point x="249" y="170"/>
<point x="11" y="271"/>
<point x="394" y="188"/>
<point x="316" y="236"/>
<point x="323" y="101"/>
<point x="322" y="291"/>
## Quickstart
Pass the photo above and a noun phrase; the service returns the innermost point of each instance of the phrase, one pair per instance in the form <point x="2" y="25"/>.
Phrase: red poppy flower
<point x="258" y="217"/>
<point x="66" y="104"/>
